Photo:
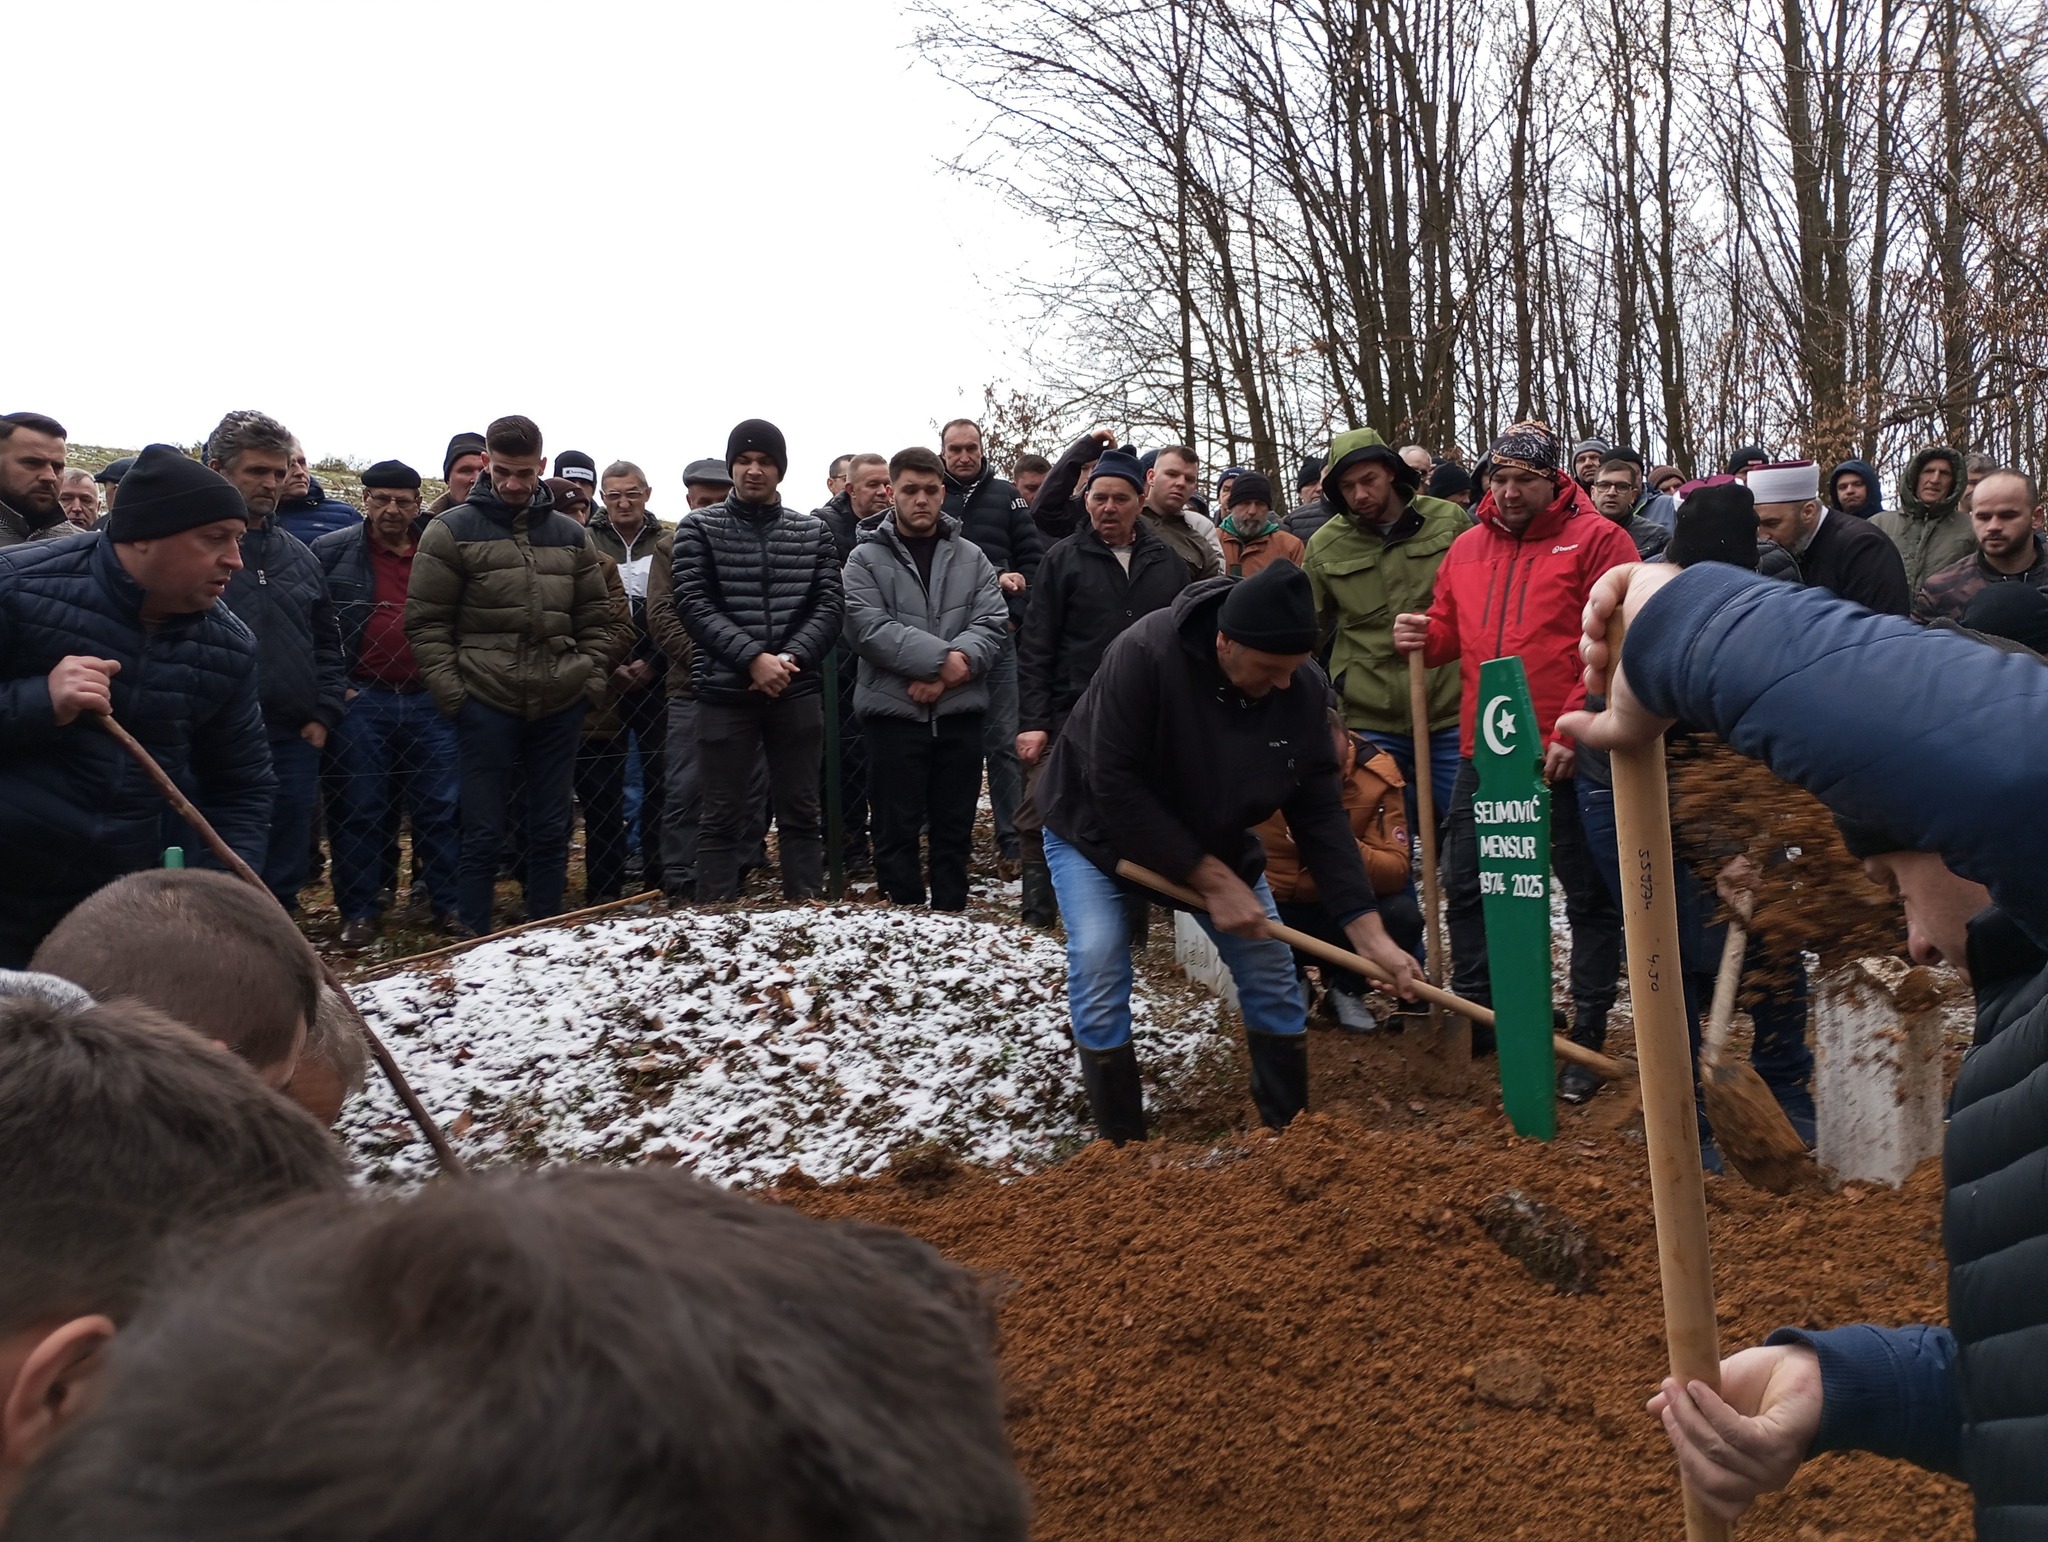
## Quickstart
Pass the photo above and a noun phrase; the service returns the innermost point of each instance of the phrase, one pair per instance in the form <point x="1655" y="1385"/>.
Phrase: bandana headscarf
<point x="1530" y="446"/>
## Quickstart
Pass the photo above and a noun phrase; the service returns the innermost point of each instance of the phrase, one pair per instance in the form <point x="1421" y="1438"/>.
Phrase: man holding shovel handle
<point x="1922" y="743"/>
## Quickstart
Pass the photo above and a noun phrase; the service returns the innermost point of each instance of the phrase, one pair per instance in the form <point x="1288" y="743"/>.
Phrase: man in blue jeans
<point x="1202" y="720"/>
<point x="392" y="735"/>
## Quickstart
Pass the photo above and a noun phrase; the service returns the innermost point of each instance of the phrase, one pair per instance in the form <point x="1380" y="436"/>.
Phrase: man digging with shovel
<point x="1203" y="719"/>
<point x="1922" y="743"/>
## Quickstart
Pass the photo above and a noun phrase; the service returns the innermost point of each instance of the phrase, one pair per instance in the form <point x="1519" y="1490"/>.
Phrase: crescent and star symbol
<point x="1498" y="725"/>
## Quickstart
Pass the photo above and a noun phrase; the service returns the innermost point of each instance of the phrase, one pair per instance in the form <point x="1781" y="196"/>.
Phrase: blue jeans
<point x="999" y="747"/>
<point x="1443" y="769"/>
<point x="392" y="741"/>
<point x="1099" y="957"/>
<point x="494" y="747"/>
<point x="287" y="860"/>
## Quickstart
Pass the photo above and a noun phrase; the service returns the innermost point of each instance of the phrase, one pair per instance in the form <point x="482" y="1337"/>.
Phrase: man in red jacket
<point x="1516" y="584"/>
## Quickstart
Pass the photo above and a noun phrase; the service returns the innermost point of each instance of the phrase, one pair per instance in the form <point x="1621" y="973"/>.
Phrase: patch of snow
<point x="742" y="1043"/>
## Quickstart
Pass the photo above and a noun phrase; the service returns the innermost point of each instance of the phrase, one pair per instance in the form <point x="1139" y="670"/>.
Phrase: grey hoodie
<point x="902" y="630"/>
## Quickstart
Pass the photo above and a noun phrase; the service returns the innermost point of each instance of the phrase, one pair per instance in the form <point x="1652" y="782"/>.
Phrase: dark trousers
<point x="646" y="717"/>
<point x="791" y="729"/>
<point x="393" y="745"/>
<point x="496" y="748"/>
<point x="927" y="777"/>
<point x="286" y="861"/>
<point x="1590" y="908"/>
<point x="601" y="795"/>
<point x="1400" y="913"/>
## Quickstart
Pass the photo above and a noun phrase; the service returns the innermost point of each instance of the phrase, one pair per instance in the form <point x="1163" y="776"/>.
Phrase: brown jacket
<point x="602" y="721"/>
<point x="1379" y="818"/>
<point x="664" y="625"/>
<point x="1241" y="559"/>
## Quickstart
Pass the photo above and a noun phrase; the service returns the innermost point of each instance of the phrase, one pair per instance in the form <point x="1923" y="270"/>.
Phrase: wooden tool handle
<point x="1714" y="1042"/>
<point x="1604" y="1065"/>
<point x="444" y="1153"/>
<point x="1425" y="814"/>
<point x="1642" y="817"/>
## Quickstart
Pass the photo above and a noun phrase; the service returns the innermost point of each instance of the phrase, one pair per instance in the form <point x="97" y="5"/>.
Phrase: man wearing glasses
<point x="391" y="729"/>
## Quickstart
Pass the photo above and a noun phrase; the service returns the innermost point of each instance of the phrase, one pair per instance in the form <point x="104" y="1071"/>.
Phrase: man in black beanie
<point x="757" y="587"/>
<point x="463" y="463"/>
<point x="1203" y="719"/>
<point x="124" y="620"/>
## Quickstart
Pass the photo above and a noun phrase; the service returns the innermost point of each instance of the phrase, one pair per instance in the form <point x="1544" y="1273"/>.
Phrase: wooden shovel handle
<point x="1425" y="813"/>
<point x="1603" y="1065"/>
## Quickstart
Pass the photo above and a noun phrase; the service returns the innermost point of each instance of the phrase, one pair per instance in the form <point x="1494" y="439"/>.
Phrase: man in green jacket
<point x="512" y="626"/>
<point x="1929" y="526"/>
<point x="1375" y="559"/>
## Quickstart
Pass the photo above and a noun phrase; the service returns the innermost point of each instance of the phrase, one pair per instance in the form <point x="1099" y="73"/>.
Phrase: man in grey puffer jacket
<point x="925" y="613"/>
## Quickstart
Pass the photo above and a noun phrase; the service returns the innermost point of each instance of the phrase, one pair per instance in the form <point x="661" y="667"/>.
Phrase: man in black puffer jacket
<point x="281" y="596"/>
<point x="1925" y="745"/>
<point x="757" y="587"/>
<point x="125" y="620"/>
<point x="995" y="517"/>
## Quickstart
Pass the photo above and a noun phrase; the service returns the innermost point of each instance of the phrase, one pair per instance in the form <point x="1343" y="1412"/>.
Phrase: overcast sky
<point x="636" y="221"/>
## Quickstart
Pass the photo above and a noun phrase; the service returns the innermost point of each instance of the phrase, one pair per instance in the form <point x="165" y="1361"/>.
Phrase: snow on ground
<point x="739" y="1044"/>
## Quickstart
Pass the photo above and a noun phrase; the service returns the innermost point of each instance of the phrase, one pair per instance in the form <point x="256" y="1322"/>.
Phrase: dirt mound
<point x="1280" y="1337"/>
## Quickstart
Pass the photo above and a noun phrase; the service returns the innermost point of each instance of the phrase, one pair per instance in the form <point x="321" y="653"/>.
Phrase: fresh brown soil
<point x="1279" y="1337"/>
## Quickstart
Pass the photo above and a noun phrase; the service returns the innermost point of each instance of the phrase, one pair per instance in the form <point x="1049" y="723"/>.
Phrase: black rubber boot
<point x="1138" y="918"/>
<point x="1279" y="1076"/>
<point x="1116" y="1099"/>
<point x="1576" y="1084"/>
<point x="1040" y="906"/>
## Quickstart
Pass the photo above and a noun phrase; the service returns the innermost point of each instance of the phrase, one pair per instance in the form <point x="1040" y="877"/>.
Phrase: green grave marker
<point x="1511" y="814"/>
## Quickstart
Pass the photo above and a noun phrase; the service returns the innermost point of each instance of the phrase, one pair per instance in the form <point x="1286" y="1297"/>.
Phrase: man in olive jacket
<point x="512" y="626"/>
<point x="1929" y="526"/>
<point x="1374" y="559"/>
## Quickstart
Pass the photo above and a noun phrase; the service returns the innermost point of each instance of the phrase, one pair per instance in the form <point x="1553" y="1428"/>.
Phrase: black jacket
<point x="281" y="596"/>
<point x="75" y="811"/>
<point x="344" y="556"/>
<point x="1081" y="603"/>
<point x="1057" y="511"/>
<point x="1307" y="519"/>
<point x="753" y="578"/>
<point x="995" y="517"/>
<point x="1165" y="762"/>
<point x="837" y="513"/>
<point x="1854" y="559"/>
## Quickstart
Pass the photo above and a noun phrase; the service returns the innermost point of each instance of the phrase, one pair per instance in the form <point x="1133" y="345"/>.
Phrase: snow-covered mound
<point x="743" y="1043"/>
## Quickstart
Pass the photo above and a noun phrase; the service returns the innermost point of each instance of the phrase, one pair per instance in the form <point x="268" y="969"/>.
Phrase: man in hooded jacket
<point x="1854" y="487"/>
<point x="1929" y="526"/>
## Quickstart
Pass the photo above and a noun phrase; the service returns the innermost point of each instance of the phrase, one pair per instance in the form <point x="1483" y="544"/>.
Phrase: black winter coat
<point x="344" y="556"/>
<point x="837" y="513"/>
<point x="1852" y="558"/>
<point x="1058" y="510"/>
<point x="1165" y="762"/>
<point x="754" y="578"/>
<point x="995" y="517"/>
<point x="281" y="597"/>
<point x="75" y="811"/>
<point x="1081" y="603"/>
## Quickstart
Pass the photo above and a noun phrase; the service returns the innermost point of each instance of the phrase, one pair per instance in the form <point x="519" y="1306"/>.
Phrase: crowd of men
<point x="1140" y="669"/>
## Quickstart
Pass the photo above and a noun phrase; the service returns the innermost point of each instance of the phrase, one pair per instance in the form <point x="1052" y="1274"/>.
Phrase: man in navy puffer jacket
<point x="125" y="620"/>
<point x="1924" y="744"/>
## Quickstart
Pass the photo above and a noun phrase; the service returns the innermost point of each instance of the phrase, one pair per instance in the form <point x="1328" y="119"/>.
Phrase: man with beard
<point x="2006" y="516"/>
<point x="31" y="465"/>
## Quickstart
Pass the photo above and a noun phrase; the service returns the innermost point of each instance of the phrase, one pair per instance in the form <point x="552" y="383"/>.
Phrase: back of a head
<point x="217" y="954"/>
<point x="625" y="1354"/>
<point x="120" y="1129"/>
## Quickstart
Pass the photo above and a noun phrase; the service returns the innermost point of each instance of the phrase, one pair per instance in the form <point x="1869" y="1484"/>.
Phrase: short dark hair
<point x="1621" y="463"/>
<point x="213" y="952"/>
<point x="119" y="1129"/>
<point x="513" y="435"/>
<point x="959" y="423"/>
<point x="1023" y="465"/>
<point x="34" y="422"/>
<point x="839" y="465"/>
<point x="865" y="458"/>
<point x="629" y="1354"/>
<point x="244" y="430"/>
<point x="916" y="458"/>
<point x="1183" y="451"/>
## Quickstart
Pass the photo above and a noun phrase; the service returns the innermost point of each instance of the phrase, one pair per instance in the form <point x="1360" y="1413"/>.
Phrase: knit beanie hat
<point x="1447" y="479"/>
<point x="391" y="473"/>
<point x="1599" y="447"/>
<point x="1716" y="523"/>
<point x="575" y="466"/>
<point x="1529" y="446"/>
<point x="1119" y="463"/>
<point x="459" y="446"/>
<point x="2018" y="612"/>
<point x="165" y="492"/>
<point x="1229" y="472"/>
<point x="758" y="434"/>
<point x="1251" y="487"/>
<point x="1661" y="474"/>
<point x="1272" y="611"/>
<point x="1743" y="456"/>
<point x="1311" y="472"/>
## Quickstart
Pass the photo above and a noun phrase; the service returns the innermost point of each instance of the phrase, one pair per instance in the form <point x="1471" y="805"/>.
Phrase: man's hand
<point x="1559" y="762"/>
<point x="1011" y="583"/>
<point x="925" y="692"/>
<point x="1625" y="723"/>
<point x="82" y="683"/>
<point x="1411" y="632"/>
<point x="1736" y="884"/>
<point x="1031" y="746"/>
<point x="1368" y="936"/>
<point x="1231" y="903"/>
<point x="956" y="670"/>
<point x="315" y="734"/>
<point x="1752" y="1437"/>
<point x="633" y="674"/>
<point x="770" y="674"/>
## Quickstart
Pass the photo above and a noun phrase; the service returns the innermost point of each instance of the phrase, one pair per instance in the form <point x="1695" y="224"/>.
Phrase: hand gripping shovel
<point x="1749" y="1126"/>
